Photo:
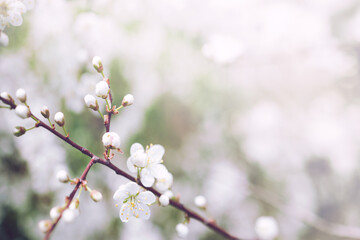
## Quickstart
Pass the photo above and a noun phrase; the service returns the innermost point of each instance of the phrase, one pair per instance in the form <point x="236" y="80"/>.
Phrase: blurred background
<point x="256" y="102"/>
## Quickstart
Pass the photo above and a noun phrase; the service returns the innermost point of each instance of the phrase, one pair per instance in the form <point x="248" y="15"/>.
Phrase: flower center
<point x="4" y="9"/>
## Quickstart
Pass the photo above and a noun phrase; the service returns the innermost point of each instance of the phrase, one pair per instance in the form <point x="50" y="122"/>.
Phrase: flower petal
<point x="132" y="188"/>
<point x="15" y="18"/>
<point x="130" y="165"/>
<point x="120" y="194"/>
<point x="125" y="212"/>
<point x="164" y="183"/>
<point x="155" y="153"/>
<point x="136" y="147"/>
<point x="144" y="211"/>
<point x="146" y="178"/>
<point x="146" y="197"/>
<point x="158" y="170"/>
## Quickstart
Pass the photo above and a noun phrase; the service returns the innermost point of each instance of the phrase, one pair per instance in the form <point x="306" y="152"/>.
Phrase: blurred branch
<point x="95" y="159"/>
<point x="305" y="216"/>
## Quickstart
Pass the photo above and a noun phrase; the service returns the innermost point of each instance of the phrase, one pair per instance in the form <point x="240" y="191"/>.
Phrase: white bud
<point x="169" y="194"/>
<point x="200" y="201"/>
<point x="22" y="111"/>
<point x="266" y="228"/>
<point x="102" y="89"/>
<point x="111" y="140"/>
<point x="62" y="176"/>
<point x="91" y="102"/>
<point x="4" y="39"/>
<point x="164" y="200"/>
<point x="21" y="95"/>
<point x="69" y="215"/>
<point x="96" y="61"/>
<point x="128" y="100"/>
<point x="44" y="225"/>
<point x="6" y="96"/>
<point x="45" y="112"/>
<point x="55" y="212"/>
<point x="19" y="131"/>
<point x="182" y="230"/>
<point x="96" y="196"/>
<point x="59" y="119"/>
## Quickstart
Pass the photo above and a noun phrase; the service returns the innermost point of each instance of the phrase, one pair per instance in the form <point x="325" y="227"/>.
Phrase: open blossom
<point x="266" y="228"/>
<point x="149" y="163"/>
<point x="10" y="13"/>
<point x="134" y="202"/>
<point x="164" y="182"/>
<point x="111" y="140"/>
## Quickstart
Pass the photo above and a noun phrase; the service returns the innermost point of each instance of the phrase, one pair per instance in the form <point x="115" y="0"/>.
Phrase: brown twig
<point x="95" y="159"/>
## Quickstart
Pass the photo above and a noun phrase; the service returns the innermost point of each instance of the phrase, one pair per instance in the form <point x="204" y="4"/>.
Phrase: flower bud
<point x="96" y="61"/>
<point x="182" y="230"/>
<point x="44" y="225"/>
<point x="266" y="228"/>
<point x="102" y="89"/>
<point x="21" y="95"/>
<point x="91" y="102"/>
<point x="74" y="204"/>
<point x="127" y="100"/>
<point x="22" y="111"/>
<point x="200" y="201"/>
<point x="4" y="39"/>
<point x="62" y="176"/>
<point x="69" y="215"/>
<point x="45" y="112"/>
<point x="164" y="200"/>
<point x="59" y="119"/>
<point x="96" y="196"/>
<point x="55" y="212"/>
<point x="7" y="96"/>
<point x="19" y="131"/>
<point x="111" y="140"/>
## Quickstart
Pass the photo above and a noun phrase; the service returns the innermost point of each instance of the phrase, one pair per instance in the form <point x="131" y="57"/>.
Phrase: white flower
<point x="148" y="162"/>
<point x="62" y="176"/>
<point x="182" y="230"/>
<point x="59" y="118"/>
<point x="4" y="39"/>
<point x="169" y="193"/>
<point x="44" y="225"/>
<point x="91" y="102"/>
<point x="266" y="228"/>
<point x="164" y="182"/>
<point x="45" y="112"/>
<point x="22" y="111"/>
<point x="222" y="49"/>
<point x="200" y="201"/>
<point x="10" y="12"/>
<point x="29" y="4"/>
<point x="96" y="61"/>
<point x="102" y="89"/>
<point x="55" y="212"/>
<point x="111" y="140"/>
<point x="164" y="200"/>
<point x="128" y="100"/>
<point x="135" y="202"/>
<point x="96" y="196"/>
<point x="21" y="95"/>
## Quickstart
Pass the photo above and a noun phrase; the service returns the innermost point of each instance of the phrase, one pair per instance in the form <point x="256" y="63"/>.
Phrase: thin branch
<point x="95" y="159"/>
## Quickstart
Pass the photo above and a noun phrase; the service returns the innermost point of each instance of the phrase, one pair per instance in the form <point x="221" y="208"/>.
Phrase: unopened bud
<point x="19" y="131"/>
<point x="182" y="230"/>
<point x="169" y="194"/>
<point x="96" y="61"/>
<point x="164" y="200"/>
<point x="22" y="111"/>
<point x="102" y="89"/>
<point x="55" y="212"/>
<point x="45" y="112"/>
<point x="7" y="97"/>
<point x="4" y="39"/>
<point x="96" y="196"/>
<point x="200" y="202"/>
<point x="21" y="95"/>
<point x="44" y="225"/>
<point x="74" y="204"/>
<point x="91" y="102"/>
<point x="62" y="176"/>
<point x="59" y="119"/>
<point x="127" y="100"/>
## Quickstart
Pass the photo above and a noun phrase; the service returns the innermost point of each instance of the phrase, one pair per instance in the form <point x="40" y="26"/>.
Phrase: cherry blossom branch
<point x="70" y="197"/>
<point x="95" y="159"/>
